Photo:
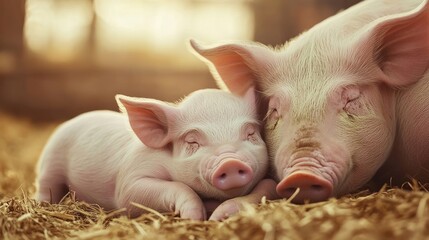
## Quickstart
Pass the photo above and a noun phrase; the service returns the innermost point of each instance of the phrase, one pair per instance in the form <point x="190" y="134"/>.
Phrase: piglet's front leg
<point x="266" y="187"/>
<point x="163" y="196"/>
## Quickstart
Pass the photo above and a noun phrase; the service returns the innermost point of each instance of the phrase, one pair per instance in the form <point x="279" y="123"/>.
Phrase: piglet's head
<point x="213" y="138"/>
<point x="329" y="99"/>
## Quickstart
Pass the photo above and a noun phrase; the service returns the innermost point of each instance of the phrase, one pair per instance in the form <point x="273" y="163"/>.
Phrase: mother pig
<point x="345" y="102"/>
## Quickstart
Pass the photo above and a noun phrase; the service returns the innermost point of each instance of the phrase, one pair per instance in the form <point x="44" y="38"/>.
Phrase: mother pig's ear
<point x="250" y="98"/>
<point x="236" y="67"/>
<point x="400" y="45"/>
<point x="150" y="119"/>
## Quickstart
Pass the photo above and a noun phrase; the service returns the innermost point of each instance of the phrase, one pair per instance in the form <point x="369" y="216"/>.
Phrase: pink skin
<point x="345" y="103"/>
<point x="175" y="158"/>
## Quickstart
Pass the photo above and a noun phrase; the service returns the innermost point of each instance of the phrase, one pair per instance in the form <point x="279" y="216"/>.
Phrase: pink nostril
<point x="231" y="174"/>
<point x="312" y="188"/>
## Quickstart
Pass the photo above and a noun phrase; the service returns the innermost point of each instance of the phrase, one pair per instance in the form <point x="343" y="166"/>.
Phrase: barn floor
<point x="387" y="214"/>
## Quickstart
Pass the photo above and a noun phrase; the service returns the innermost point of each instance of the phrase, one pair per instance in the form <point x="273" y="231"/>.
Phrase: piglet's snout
<point x="230" y="174"/>
<point x="312" y="188"/>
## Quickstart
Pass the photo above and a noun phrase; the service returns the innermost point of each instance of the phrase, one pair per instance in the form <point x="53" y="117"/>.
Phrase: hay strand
<point x="149" y="210"/>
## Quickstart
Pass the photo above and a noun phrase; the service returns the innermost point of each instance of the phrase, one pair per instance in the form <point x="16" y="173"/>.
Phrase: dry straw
<point x="391" y="213"/>
<point x="388" y="214"/>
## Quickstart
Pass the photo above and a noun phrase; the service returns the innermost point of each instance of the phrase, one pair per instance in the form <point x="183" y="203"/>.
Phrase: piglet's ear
<point x="235" y="67"/>
<point x="401" y="45"/>
<point x="150" y="119"/>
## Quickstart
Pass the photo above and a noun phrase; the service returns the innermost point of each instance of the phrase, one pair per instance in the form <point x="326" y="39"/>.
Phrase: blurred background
<point x="59" y="58"/>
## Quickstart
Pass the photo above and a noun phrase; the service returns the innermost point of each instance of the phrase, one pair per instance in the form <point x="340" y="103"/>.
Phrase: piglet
<point x="346" y="102"/>
<point x="165" y="156"/>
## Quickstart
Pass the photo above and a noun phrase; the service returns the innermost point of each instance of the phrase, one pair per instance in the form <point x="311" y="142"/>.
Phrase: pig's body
<point x="409" y="157"/>
<point x="90" y="151"/>
<point x="344" y="100"/>
<point x="208" y="146"/>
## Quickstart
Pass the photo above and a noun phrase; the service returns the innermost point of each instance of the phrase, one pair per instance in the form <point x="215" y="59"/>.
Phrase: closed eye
<point x="193" y="140"/>
<point x="192" y="147"/>
<point x="351" y="97"/>
<point x="273" y="118"/>
<point x="353" y="106"/>
<point x="252" y="136"/>
<point x="249" y="132"/>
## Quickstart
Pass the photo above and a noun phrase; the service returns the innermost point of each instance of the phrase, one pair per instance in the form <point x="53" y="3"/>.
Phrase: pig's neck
<point x="152" y="163"/>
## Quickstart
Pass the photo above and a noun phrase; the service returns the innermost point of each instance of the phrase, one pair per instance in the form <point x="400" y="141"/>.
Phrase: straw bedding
<point x="391" y="213"/>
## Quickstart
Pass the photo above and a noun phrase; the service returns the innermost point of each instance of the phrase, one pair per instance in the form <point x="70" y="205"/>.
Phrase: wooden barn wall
<point x="50" y="92"/>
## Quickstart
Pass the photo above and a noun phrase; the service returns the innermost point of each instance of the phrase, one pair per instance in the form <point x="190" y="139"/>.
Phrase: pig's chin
<point x="214" y="193"/>
<point x="234" y="193"/>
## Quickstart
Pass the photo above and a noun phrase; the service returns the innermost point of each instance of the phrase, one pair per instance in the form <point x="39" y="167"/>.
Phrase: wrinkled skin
<point x="345" y="103"/>
<point x="207" y="148"/>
